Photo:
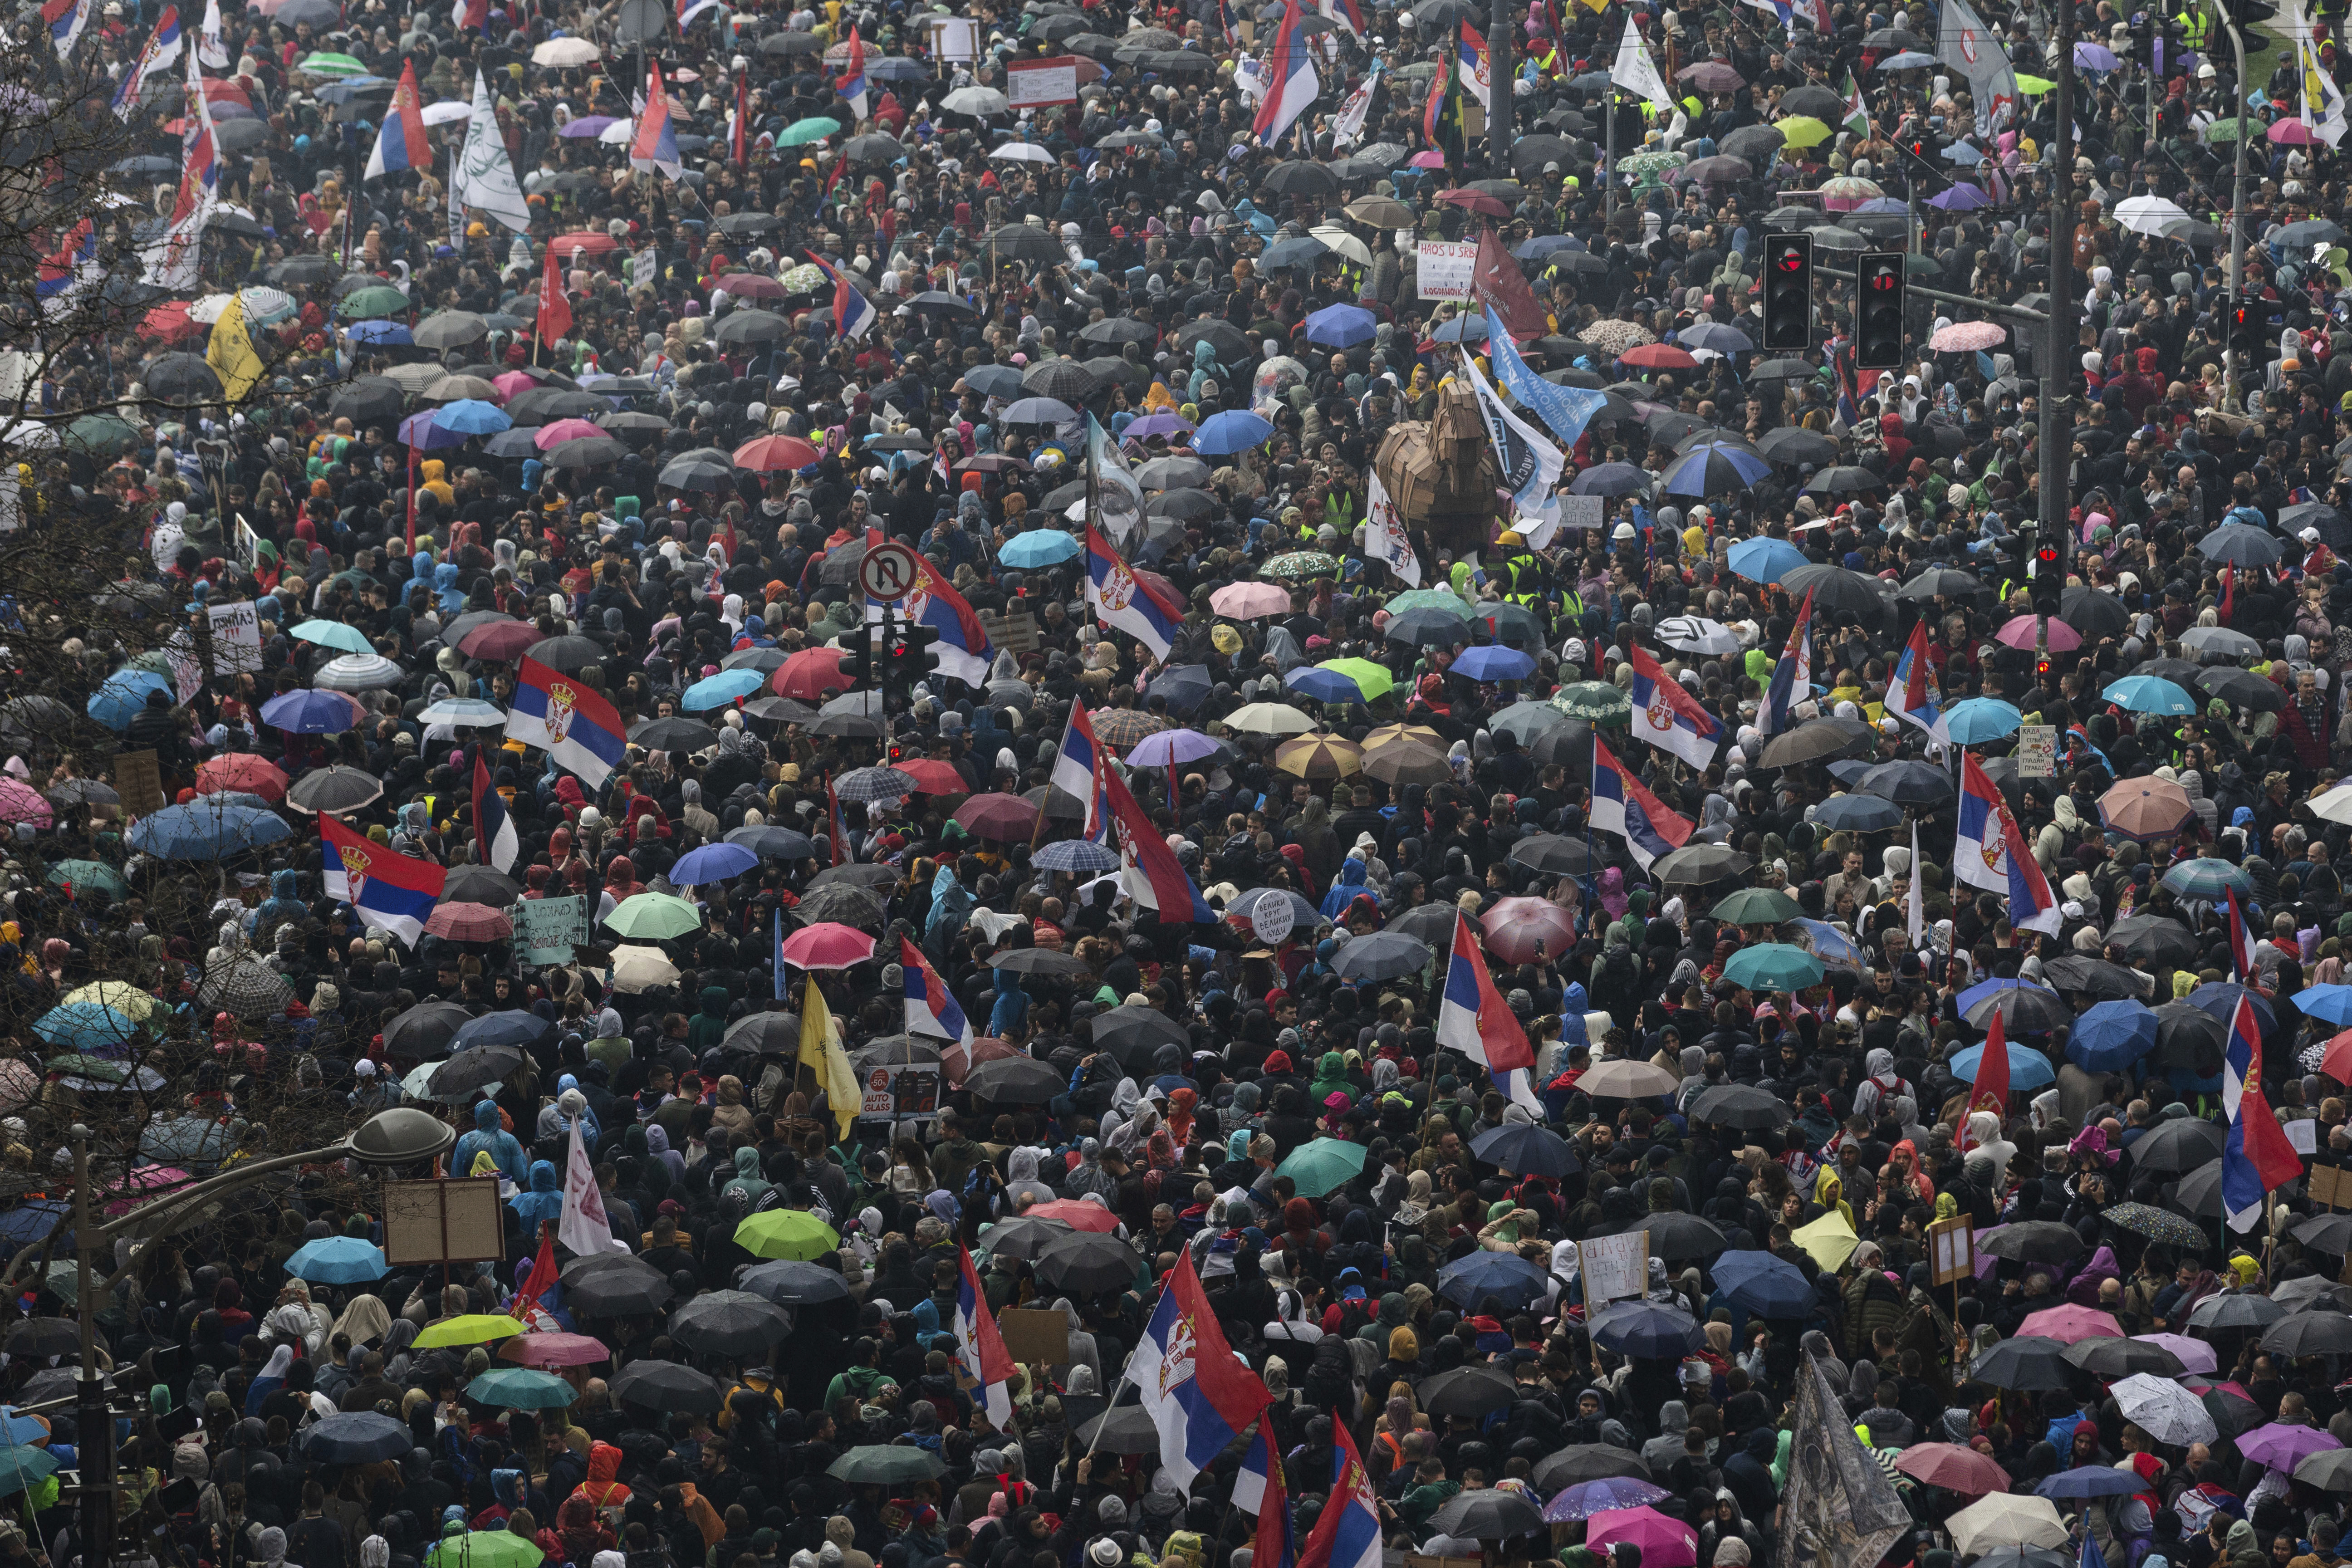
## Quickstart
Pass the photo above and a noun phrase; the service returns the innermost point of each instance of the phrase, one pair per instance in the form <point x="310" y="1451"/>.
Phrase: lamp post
<point x="401" y="1136"/>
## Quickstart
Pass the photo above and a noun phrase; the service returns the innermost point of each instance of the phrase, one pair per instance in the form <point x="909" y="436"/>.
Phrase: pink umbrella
<point x="2195" y="1355"/>
<point x="1246" y="601"/>
<point x="1528" y="931"/>
<point x="1664" y="1542"/>
<point x="2282" y="1448"/>
<point x="2070" y="1324"/>
<point x="554" y="1350"/>
<point x="563" y="430"/>
<point x="827" y="945"/>
<point x="2292" y="134"/>
<point x="20" y="802"/>
<point x="512" y="382"/>
<point x="1962" y="336"/>
<point x="2023" y="631"/>
<point x="1429" y="160"/>
<point x="145" y="1180"/>
<point x="1076" y="1213"/>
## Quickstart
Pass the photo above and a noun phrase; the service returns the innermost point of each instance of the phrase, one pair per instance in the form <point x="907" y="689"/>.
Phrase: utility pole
<point x="2060" y="335"/>
<point x="2237" y="280"/>
<point x="1498" y="89"/>
<point x="93" y="1420"/>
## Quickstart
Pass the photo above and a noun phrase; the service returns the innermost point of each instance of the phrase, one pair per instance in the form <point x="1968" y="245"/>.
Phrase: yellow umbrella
<point x="1803" y="130"/>
<point x="1829" y="1241"/>
<point x="2034" y="86"/>
<point x="1318" y="757"/>
<point x="477" y="1328"/>
<point x="1393" y="734"/>
<point x="120" y="994"/>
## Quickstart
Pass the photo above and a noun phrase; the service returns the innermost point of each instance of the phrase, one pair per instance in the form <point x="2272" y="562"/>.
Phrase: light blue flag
<point x="1567" y="410"/>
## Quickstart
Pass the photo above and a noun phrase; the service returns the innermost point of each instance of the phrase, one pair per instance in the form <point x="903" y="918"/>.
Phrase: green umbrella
<point x="787" y="1232"/>
<point x="653" y="917"/>
<point x="1322" y="1165"/>
<point x="1373" y="680"/>
<point x="89" y="873"/>
<point x="1651" y="163"/>
<point x="485" y="1549"/>
<point x="1301" y="564"/>
<point x="1773" y="966"/>
<point x="101" y="434"/>
<point x="1429" y="599"/>
<point x="63" y="1278"/>
<point x="331" y="65"/>
<point x="74" y="1063"/>
<point x="22" y="1467"/>
<point x="159" y="663"/>
<point x="376" y="300"/>
<point x="521" y="1388"/>
<point x="2223" y="131"/>
<point x="800" y="133"/>
<point x="1757" y="907"/>
<point x="1595" y="702"/>
<point x="874" y="1465"/>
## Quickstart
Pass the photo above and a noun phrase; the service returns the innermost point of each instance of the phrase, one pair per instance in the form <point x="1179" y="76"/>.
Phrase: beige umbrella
<point x="1408" y="764"/>
<point x="2147" y="808"/>
<point x="1381" y="211"/>
<point x="1622" y="1079"/>
<point x="450" y="388"/>
<point x="1318" y="757"/>
<point x="1340" y="240"/>
<point x="641" y="969"/>
<point x="1267" y="719"/>
<point x="2006" y="1519"/>
<point x="1391" y="734"/>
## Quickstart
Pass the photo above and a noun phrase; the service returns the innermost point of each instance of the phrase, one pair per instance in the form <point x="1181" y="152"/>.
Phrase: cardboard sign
<point x="1041" y="84"/>
<point x="139" y="780"/>
<point x="1583" y="511"/>
<point x="248" y="543"/>
<point x="236" y="638"/>
<point x="549" y="930"/>
<point x="1951" y="1250"/>
<point x="1614" y="1267"/>
<point x="1016" y="630"/>
<point x="1444" y="269"/>
<point x="1035" y="1335"/>
<point x="955" y="39"/>
<point x="2037" y="750"/>
<point x="453" y="1220"/>
<point x="2329" y="1185"/>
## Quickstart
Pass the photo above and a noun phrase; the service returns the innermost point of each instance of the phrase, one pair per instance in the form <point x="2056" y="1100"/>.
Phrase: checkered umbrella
<point x="245" y="987"/>
<point x="867" y="785"/>
<point x="1123" y="728"/>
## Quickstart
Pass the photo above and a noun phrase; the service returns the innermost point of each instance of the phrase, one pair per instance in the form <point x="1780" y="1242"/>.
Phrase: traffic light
<point x="858" y="665"/>
<point x="910" y="658"/>
<point x="2248" y="14"/>
<point x="2049" y="576"/>
<point x="1878" y="311"/>
<point x="1789" y="293"/>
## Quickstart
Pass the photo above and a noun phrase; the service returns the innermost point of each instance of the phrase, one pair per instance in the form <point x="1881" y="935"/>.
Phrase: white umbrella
<point x="448" y="111"/>
<point x="1273" y="719"/>
<point x="2336" y="806"/>
<point x="2148" y="214"/>
<point x="640" y="969"/>
<point x="358" y="672"/>
<point x="463" y="713"/>
<point x="977" y="101"/>
<point x="565" y="52"/>
<point x="2164" y="1410"/>
<point x="620" y="134"/>
<point x="1696" y="634"/>
<point x="263" y="306"/>
<point x="2006" y="1519"/>
<point x="1340" y="240"/>
<point x="1023" y="152"/>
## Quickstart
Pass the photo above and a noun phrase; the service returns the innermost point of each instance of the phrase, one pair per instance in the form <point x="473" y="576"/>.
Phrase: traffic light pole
<point x="2057" y="466"/>
<point x="2229" y="399"/>
<point x="1498" y="89"/>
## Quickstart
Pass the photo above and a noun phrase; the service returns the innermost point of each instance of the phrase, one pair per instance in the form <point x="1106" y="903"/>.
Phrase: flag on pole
<point x="1964" y="43"/>
<point x="1470" y="61"/>
<point x="851" y="83"/>
<point x="554" y="309"/>
<point x="1565" y="410"/>
<point x="1621" y="806"/>
<point x="2321" y="100"/>
<point x="212" y="46"/>
<point x="1989" y="1092"/>
<point x="1150" y="872"/>
<point x="655" y="145"/>
<point x="494" y="830"/>
<point x="1915" y="902"/>
<point x="1636" y="72"/>
<point x="163" y="48"/>
<point x="2256" y="1157"/>
<point x="229" y="351"/>
<point x="1075" y="759"/>
<point x="1911" y="692"/>
<point x="400" y="142"/>
<point x="780" y="987"/>
<point x="1857" y="110"/>
<point x="1992" y="853"/>
<point x="1670" y="718"/>
<point x="1531" y="464"/>
<point x="931" y="1007"/>
<point x="1473" y="1018"/>
<point x="1198" y="1395"/>
<point x="1125" y="602"/>
<point x="486" y="172"/>
<point x="1259" y="1489"/>
<point x="838" y="824"/>
<point x="583" y="1226"/>
<point x="169" y="261"/>
<point x="853" y="314"/>
<point x="821" y="1048"/>
<point x="2242" y="942"/>
<point x="980" y="1349"/>
<point x="1356" y="109"/>
<point x="1385" y="540"/>
<point x="1792" y="676"/>
<point x="1346" y="1533"/>
<point x="1291" y="84"/>
<point x="740" y="131"/>
<point x="66" y="20"/>
<point x="389" y="891"/>
<point x="62" y="280"/>
<point x="569" y="721"/>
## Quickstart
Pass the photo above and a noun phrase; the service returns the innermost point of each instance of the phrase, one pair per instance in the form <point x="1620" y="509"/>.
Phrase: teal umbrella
<point x="1323" y="1164"/>
<point x="1980" y="719"/>
<point x="89" y="874"/>
<point x="800" y="133"/>
<point x="1773" y="966"/>
<point x="2207" y="879"/>
<point x="522" y="1388"/>
<point x="21" y="1469"/>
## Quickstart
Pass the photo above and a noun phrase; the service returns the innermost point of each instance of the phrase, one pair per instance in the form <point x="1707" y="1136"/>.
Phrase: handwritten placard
<point x="547" y="930"/>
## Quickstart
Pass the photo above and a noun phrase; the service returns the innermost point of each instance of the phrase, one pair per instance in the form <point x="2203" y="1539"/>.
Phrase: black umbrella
<point x="368" y="400"/>
<point x="180" y="376"/>
<point x="2093" y="614"/>
<point x="1938" y="582"/>
<point x="1487" y="1514"/>
<point x="751" y="327"/>
<point x="763" y="1032"/>
<point x="876" y="148"/>
<point x="423" y="1030"/>
<point x="1554" y="854"/>
<point x="2309" y="1334"/>
<point x="1525" y="1150"/>
<point x="588" y="452"/>
<point x="1224" y="339"/>
<point x="1299" y="177"/>
<point x="770" y="842"/>
<point x="1025" y="1237"/>
<point x="2026" y="1364"/>
<point x="1431" y="923"/>
<point x="2174" y="1147"/>
<point x="1023" y="242"/>
<point x="1741" y="1106"/>
<point x="1467" y="1391"/>
<point x="1137" y="1030"/>
<point x="481" y="885"/>
<point x="1127" y="1429"/>
<point x="666" y="1385"/>
<point x="1064" y="379"/>
<point x="2153" y="938"/>
<point x="336" y="789"/>
<point x="1694" y="866"/>
<point x="1820" y="740"/>
<point x="1088" y="1263"/>
<point x="1588" y="1462"/>
<point x="2241" y="688"/>
<point x="1015" y="1080"/>
<point x="1849" y="592"/>
<point x="2092" y="977"/>
<point x="2036" y="1241"/>
<point x="1908" y="783"/>
<point x="730" y="1322"/>
<point x="474" y="1069"/>
<point x="302" y="271"/>
<point x="2023" y="1009"/>
<point x="2113" y="1358"/>
<point x="1677" y="1236"/>
<point x="619" y="1292"/>
<point x="38" y="1336"/>
<point x="568" y="653"/>
<point x="692" y="473"/>
<point x="1383" y="955"/>
<point x="673" y="734"/>
<point x="2330" y="1233"/>
<point x="2235" y="1310"/>
<point x="353" y="1437"/>
<point x="887" y="1464"/>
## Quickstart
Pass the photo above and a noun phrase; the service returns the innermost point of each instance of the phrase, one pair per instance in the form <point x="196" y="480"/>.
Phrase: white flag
<point x="1915" y="904"/>
<point x="1637" y="73"/>
<point x="211" y="48"/>
<point x="584" y="1226"/>
<point x="1531" y="464"/>
<point x="1384" y="536"/>
<point x="487" y="178"/>
<point x="1967" y="45"/>
<point x="1349" y="123"/>
<point x="458" y="195"/>
<point x="2323" y="102"/>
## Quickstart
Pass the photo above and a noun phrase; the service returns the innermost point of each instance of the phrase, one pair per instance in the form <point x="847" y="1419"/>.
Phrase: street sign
<point x="887" y="572"/>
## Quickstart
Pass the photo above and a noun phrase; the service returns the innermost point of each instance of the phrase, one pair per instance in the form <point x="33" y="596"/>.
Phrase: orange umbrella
<point x="772" y="454"/>
<point x="241" y="771"/>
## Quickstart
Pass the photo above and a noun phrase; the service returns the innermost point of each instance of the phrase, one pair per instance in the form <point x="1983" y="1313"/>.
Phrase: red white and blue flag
<point x="170" y="260"/>
<point x="687" y="10"/>
<point x="1670" y="718"/>
<point x="851" y="83"/>
<point x="62" y="279"/>
<point x="853" y="314"/>
<point x="1912" y="694"/>
<point x="931" y="1007"/>
<point x="1792" y="676"/>
<point x="162" y="48"/>
<point x="1346" y="1533"/>
<point x="1621" y="805"/>
<point x="494" y="830"/>
<point x="980" y="1349"/>
<point x="1291" y="84"/>
<point x="1074" y="763"/>
<point x="66" y="19"/>
<point x="2256" y="1155"/>
<point x="1473" y="1018"/>
<point x="654" y="147"/>
<point x="1198" y="1394"/>
<point x="1151" y="874"/>
<point x="400" y="143"/>
<point x="1259" y="1489"/>
<point x="390" y="892"/>
<point x="962" y="650"/>
<point x="2242" y="942"/>
<point x="569" y="721"/>
<point x="1347" y="13"/>
<point x="1992" y="853"/>
<point x="838" y="824"/>
<point x="1471" y="64"/>
<point x="1126" y="601"/>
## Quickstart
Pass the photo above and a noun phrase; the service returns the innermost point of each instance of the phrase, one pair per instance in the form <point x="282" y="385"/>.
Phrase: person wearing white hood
<point x="1985" y="1138"/>
<point x="1880" y="1081"/>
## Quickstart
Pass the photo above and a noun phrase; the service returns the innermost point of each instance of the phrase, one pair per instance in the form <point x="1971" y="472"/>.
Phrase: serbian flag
<point x="400" y="145"/>
<point x="655" y="147"/>
<point x="1432" y="108"/>
<point x="163" y="48"/>
<point x="1347" y="13"/>
<point x="687" y="10"/>
<point x="1991" y="1090"/>
<point x="1153" y="876"/>
<point x="851" y="83"/>
<point x="1473" y="1018"/>
<point x="61" y="279"/>
<point x="494" y="830"/>
<point x="853" y="314"/>
<point x="1670" y="718"/>
<point x="980" y="1349"/>
<point x="931" y="1007"/>
<point x="569" y="721"/>
<point x="1291" y="84"/>
<point x="1621" y="805"/>
<point x="1911" y="694"/>
<point x="554" y="310"/>
<point x="66" y="19"/>
<point x="1258" y="1490"/>
<point x="1792" y="676"/>
<point x="1198" y="1394"/>
<point x="391" y="892"/>
<point x="473" y="14"/>
<point x="2255" y="1155"/>
<point x="1122" y="600"/>
<point x="1346" y="1533"/>
<point x="842" y="854"/>
<point x="1074" y="763"/>
<point x="1991" y="853"/>
<point x="2242" y="942"/>
<point x="1471" y="63"/>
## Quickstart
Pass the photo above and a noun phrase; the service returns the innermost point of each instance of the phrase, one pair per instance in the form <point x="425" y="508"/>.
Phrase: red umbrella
<point x="746" y="285"/>
<point x="1660" y="356"/>
<point x="774" y="453"/>
<point x="810" y="674"/>
<point x="499" y="641"/>
<point x="932" y="776"/>
<point x="242" y="770"/>
<point x="1952" y="1468"/>
<point x="1475" y="201"/>
<point x="462" y="921"/>
<point x="1528" y="931"/>
<point x="569" y="245"/>
<point x="169" y="322"/>
<point x="2024" y="632"/>
<point x="558" y="1349"/>
<point x="1003" y="817"/>
<point x="1076" y="1213"/>
<point x="827" y="945"/>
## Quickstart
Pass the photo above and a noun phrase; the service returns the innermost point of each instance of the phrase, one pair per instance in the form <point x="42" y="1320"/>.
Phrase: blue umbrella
<point x="15" y="1429"/>
<point x="1984" y="988"/>
<point x="2112" y="1036"/>
<point x="338" y="1260"/>
<point x="1858" y="813"/>
<point x="124" y="693"/>
<point x="719" y="689"/>
<point x="897" y="68"/>
<point x="2220" y="1000"/>
<point x="508" y="1026"/>
<point x="1768" y="1285"/>
<point x="1714" y="468"/>
<point x="1832" y="946"/>
<point x="1341" y="326"/>
<point x="1493" y="664"/>
<point x="29" y="1223"/>
<point x="2149" y="694"/>
<point x="1978" y="719"/>
<point x="1324" y="685"/>
<point x="91" y="1027"/>
<point x="1298" y="250"/>
<point x="1506" y="1275"/>
<point x="472" y="416"/>
<point x="356" y="1437"/>
<point x="1961" y="152"/>
<point x="425" y="432"/>
<point x="2091" y="1481"/>
<point x="198" y="832"/>
<point x="1646" y="1330"/>
<point x="1236" y="430"/>
<point x="1521" y="1147"/>
<point x="1547" y="246"/>
<point x="1614" y="480"/>
<point x="389" y="333"/>
<point x="2328" y="1004"/>
<point x="21" y="1469"/>
<point x="1763" y="560"/>
<point x="1038" y="547"/>
<point x="711" y="863"/>
<point x="308" y="711"/>
<point x="1469" y="329"/>
<point x="2027" y="1068"/>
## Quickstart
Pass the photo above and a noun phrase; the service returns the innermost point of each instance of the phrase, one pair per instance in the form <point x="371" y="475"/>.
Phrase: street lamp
<point x="401" y="1136"/>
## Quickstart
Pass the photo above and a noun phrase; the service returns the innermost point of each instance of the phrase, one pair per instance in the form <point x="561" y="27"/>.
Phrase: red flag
<point x="1991" y="1091"/>
<point x="742" y="121"/>
<point x="2229" y="593"/>
<point x="541" y="1278"/>
<point x="554" y="310"/>
<point x="1502" y="288"/>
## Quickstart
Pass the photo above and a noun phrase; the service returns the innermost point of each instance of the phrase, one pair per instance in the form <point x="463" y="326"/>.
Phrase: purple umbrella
<point x="1960" y="198"/>
<point x="1170" y="749"/>
<point x="2093" y="57"/>
<point x="2282" y="1448"/>
<point x="1586" y="1499"/>
<point x="586" y="126"/>
<point x="1150" y="425"/>
<point x="419" y="430"/>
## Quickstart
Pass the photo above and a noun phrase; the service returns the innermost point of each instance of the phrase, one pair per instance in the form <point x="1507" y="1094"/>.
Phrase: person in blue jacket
<point x="489" y="1137"/>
